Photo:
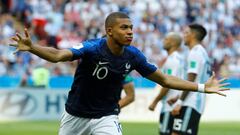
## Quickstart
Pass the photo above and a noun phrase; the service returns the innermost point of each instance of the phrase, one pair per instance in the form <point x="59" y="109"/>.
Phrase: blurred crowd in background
<point x="63" y="23"/>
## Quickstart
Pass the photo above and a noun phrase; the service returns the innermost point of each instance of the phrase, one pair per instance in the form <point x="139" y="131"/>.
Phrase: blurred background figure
<point x="40" y="77"/>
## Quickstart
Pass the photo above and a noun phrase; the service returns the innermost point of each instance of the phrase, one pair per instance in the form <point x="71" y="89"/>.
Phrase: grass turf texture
<point x="51" y="128"/>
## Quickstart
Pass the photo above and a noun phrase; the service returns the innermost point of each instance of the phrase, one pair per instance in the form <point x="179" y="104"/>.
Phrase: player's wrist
<point x="201" y="87"/>
<point x="179" y="102"/>
<point x="31" y="48"/>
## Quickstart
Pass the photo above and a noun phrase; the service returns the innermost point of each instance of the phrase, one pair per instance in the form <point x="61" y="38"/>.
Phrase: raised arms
<point x="211" y="86"/>
<point x="47" y="53"/>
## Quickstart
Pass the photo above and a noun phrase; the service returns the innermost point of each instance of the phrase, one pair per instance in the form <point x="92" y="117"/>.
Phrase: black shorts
<point x="166" y="122"/>
<point x="186" y="123"/>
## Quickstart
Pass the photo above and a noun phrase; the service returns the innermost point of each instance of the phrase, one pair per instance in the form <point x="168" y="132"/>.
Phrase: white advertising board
<point x="37" y="104"/>
<point x="218" y="108"/>
<point x="32" y="104"/>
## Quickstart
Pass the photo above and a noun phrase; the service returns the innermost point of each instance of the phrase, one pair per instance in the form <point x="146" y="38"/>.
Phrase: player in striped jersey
<point x="191" y="104"/>
<point x="172" y="66"/>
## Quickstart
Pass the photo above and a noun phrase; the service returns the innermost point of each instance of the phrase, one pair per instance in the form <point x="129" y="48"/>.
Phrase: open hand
<point x="23" y="44"/>
<point x="216" y="86"/>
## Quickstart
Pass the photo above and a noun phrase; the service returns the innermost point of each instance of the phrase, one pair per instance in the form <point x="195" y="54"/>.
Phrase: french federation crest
<point x="127" y="66"/>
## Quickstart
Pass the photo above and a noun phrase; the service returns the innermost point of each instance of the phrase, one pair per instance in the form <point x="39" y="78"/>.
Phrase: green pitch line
<point x="51" y="128"/>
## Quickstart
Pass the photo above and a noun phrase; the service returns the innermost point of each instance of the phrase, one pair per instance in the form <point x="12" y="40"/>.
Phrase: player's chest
<point x="106" y="67"/>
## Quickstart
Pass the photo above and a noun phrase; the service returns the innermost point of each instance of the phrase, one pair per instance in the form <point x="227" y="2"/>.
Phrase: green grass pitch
<point x="51" y="128"/>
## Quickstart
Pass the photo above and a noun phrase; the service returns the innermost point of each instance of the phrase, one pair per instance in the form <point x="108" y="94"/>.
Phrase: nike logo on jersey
<point x="102" y="63"/>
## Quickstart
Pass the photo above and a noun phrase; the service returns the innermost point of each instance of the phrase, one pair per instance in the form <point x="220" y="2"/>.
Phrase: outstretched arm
<point x="159" y="97"/>
<point x="130" y="95"/>
<point x="211" y="86"/>
<point x="47" y="53"/>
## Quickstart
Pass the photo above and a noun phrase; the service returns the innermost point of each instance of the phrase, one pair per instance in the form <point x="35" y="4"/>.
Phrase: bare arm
<point x="51" y="54"/>
<point x="172" y="81"/>
<point x="130" y="95"/>
<point x="191" y="77"/>
<point x="161" y="94"/>
<point x="211" y="86"/>
<point x="159" y="97"/>
<point x="47" y="53"/>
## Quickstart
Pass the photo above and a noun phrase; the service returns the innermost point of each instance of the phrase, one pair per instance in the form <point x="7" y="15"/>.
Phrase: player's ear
<point x="109" y="31"/>
<point x="193" y="34"/>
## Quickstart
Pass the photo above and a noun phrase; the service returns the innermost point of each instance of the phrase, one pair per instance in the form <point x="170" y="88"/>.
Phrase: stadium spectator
<point x="3" y="70"/>
<point x="40" y="76"/>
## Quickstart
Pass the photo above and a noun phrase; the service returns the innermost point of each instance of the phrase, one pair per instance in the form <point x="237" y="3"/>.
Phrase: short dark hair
<point x="200" y="31"/>
<point x="111" y="18"/>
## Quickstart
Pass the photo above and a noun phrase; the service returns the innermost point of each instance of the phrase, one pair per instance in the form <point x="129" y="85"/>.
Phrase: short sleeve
<point x="143" y="67"/>
<point x="173" y="70"/>
<point x="171" y="66"/>
<point x="194" y="62"/>
<point x="80" y="49"/>
<point x="128" y="79"/>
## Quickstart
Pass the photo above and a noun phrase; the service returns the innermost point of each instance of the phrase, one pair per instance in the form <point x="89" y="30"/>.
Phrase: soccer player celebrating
<point x="173" y="66"/>
<point x="191" y="104"/>
<point x="92" y="105"/>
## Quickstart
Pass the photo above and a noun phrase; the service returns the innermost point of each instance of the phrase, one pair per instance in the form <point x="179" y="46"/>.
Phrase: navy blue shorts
<point x="166" y="123"/>
<point x="187" y="122"/>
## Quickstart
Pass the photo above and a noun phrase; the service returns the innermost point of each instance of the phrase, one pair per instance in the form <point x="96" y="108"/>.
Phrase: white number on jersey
<point x="98" y="70"/>
<point x="177" y="124"/>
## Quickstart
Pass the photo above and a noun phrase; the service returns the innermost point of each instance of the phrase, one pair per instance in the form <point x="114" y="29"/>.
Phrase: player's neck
<point x="114" y="47"/>
<point x="193" y="43"/>
<point x="171" y="51"/>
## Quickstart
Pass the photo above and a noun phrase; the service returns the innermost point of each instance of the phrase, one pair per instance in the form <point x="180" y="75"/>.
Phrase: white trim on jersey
<point x="78" y="46"/>
<point x="173" y="66"/>
<point x="198" y="63"/>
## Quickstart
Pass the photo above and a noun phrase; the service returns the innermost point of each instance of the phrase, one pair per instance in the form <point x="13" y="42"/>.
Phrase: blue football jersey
<point x="99" y="77"/>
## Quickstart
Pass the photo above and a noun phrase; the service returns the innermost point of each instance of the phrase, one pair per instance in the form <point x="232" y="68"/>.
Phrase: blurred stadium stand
<point x="9" y="81"/>
<point x="64" y="82"/>
<point x="63" y="23"/>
